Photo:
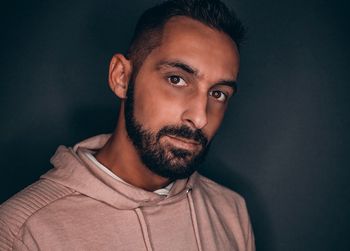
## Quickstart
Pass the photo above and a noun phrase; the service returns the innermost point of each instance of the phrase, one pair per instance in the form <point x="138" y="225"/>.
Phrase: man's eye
<point x="218" y="95"/>
<point x="176" y="80"/>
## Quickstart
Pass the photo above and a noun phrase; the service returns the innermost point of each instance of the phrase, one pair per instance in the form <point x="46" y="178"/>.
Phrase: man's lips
<point x="188" y="141"/>
<point x="183" y="142"/>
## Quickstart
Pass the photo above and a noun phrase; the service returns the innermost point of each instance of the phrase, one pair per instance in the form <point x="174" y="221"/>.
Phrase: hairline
<point x="159" y="31"/>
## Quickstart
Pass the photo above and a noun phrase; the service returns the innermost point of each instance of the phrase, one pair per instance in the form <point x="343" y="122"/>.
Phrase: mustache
<point x="184" y="132"/>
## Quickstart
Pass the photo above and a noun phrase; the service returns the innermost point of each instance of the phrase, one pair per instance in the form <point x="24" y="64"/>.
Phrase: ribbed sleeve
<point x="15" y="211"/>
<point x="5" y="237"/>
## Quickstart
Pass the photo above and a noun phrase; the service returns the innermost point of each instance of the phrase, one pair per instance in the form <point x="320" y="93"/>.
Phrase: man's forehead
<point x="207" y="52"/>
<point x="181" y="33"/>
<point x="182" y="21"/>
<point x="185" y="26"/>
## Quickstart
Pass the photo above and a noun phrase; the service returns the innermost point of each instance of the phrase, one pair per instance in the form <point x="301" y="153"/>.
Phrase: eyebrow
<point x="178" y="64"/>
<point x="191" y="70"/>
<point x="230" y="83"/>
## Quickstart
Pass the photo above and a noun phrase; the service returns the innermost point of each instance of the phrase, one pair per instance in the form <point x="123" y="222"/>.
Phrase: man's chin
<point x="176" y="173"/>
<point x="174" y="167"/>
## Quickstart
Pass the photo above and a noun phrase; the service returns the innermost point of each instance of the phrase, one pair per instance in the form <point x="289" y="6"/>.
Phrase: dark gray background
<point x="284" y="144"/>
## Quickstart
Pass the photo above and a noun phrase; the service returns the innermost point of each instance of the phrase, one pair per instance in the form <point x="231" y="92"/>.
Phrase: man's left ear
<point x="119" y="75"/>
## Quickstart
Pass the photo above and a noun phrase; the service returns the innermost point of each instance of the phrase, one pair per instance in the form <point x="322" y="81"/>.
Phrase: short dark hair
<point x="148" y="32"/>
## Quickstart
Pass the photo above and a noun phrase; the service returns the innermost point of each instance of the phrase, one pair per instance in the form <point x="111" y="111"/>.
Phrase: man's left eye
<point x="218" y="95"/>
<point x="176" y="81"/>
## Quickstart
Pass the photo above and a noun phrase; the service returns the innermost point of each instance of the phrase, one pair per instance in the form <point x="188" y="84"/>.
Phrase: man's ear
<point x="119" y="75"/>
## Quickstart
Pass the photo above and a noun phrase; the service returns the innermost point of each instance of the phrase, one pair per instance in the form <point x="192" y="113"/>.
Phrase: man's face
<point x="177" y="100"/>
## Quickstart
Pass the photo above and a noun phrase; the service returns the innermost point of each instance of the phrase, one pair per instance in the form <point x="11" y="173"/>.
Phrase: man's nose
<point x="196" y="110"/>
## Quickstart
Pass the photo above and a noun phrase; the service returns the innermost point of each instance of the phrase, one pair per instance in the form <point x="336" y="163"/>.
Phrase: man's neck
<point x="120" y="156"/>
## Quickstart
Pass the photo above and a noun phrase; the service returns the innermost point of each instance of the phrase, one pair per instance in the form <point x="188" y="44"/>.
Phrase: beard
<point x="164" y="160"/>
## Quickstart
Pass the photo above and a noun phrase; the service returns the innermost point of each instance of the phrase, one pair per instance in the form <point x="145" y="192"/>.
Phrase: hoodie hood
<point x="63" y="211"/>
<point x="74" y="170"/>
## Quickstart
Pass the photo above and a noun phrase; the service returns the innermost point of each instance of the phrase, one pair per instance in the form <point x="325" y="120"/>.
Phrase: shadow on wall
<point x="29" y="149"/>
<point x="90" y="121"/>
<point x="220" y="172"/>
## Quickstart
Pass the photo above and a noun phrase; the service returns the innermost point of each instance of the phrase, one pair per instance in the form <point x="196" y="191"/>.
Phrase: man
<point x="137" y="189"/>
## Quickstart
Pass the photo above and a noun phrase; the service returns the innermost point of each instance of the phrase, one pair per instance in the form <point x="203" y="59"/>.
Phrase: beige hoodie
<point x="77" y="206"/>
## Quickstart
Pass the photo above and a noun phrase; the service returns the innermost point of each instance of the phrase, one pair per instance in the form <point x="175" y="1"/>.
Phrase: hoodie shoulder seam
<point x="16" y="211"/>
<point x="220" y="187"/>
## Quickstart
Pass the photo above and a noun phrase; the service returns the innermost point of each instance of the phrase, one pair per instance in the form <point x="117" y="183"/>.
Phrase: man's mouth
<point x="185" y="143"/>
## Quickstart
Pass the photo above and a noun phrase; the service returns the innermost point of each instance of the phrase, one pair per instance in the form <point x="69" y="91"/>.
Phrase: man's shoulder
<point x="15" y="212"/>
<point x="213" y="189"/>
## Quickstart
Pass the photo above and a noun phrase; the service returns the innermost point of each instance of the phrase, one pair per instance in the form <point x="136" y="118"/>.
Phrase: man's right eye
<point x="176" y="81"/>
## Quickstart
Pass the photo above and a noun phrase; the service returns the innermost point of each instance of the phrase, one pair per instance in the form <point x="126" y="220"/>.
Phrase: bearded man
<point x="138" y="188"/>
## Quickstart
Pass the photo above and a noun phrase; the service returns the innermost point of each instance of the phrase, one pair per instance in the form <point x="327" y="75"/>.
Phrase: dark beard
<point x="166" y="161"/>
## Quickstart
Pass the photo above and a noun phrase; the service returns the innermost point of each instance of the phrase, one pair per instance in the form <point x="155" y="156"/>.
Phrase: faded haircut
<point x="148" y="32"/>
